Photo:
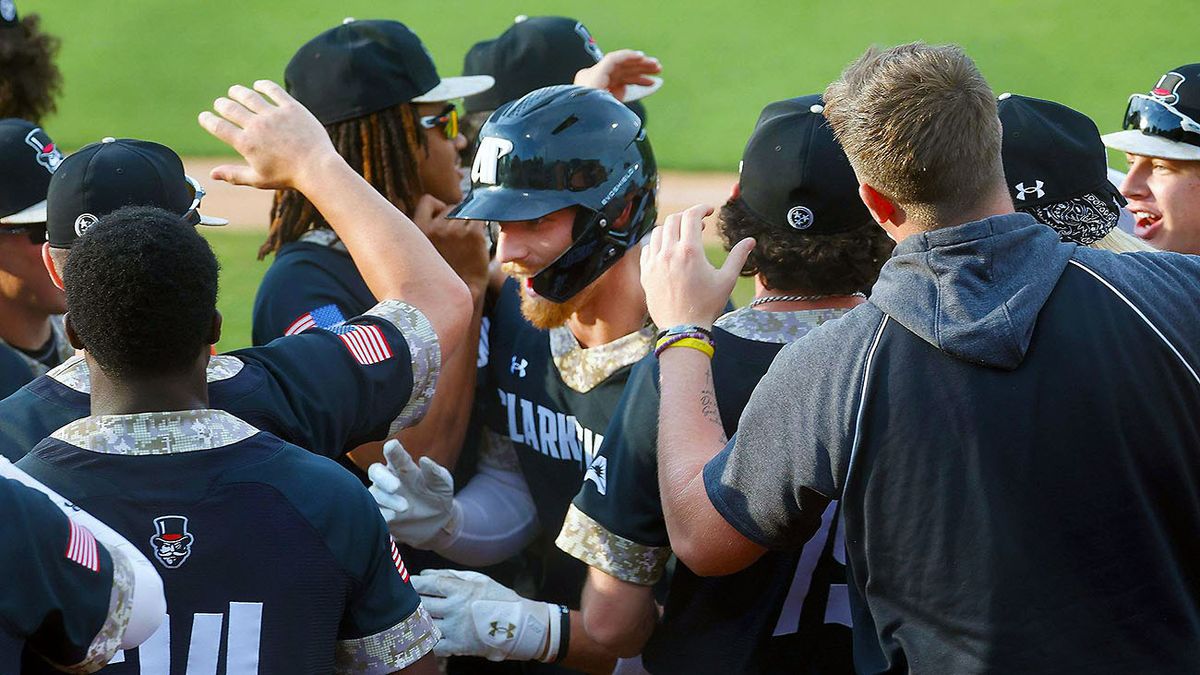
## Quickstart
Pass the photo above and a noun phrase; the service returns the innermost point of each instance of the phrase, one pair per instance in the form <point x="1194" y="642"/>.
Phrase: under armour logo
<point x="1036" y="190"/>
<point x="518" y="367"/>
<point x="487" y="158"/>
<point x="507" y="630"/>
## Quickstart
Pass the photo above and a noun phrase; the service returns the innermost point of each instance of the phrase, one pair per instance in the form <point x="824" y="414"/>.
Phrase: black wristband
<point x="564" y="639"/>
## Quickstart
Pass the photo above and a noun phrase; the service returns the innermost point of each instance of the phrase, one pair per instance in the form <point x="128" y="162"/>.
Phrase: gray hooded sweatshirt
<point x="1012" y="424"/>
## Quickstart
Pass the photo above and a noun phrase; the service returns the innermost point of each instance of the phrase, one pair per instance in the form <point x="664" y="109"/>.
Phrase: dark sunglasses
<point x="447" y="120"/>
<point x="35" y="231"/>
<point x="1155" y="118"/>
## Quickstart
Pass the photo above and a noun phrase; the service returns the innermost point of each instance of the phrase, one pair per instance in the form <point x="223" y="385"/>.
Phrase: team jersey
<point x="324" y="390"/>
<point x="273" y="559"/>
<point x="786" y="613"/>
<point x="312" y="282"/>
<point x="66" y="596"/>
<point x="17" y="367"/>
<point x="547" y="402"/>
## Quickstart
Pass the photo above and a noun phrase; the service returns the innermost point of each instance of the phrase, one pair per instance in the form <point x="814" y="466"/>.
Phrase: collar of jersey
<point x="155" y="433"/>
<point x="582" y="369"/>
<point x="775" y="327"/>
<point x="324" y="237"/>
<point x="74" y="373"/>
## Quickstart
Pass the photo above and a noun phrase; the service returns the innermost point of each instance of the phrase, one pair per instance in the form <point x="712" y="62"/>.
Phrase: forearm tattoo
<point x="708" y="406"/>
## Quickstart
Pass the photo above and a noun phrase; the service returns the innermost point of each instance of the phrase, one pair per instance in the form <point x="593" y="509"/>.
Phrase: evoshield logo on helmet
<point x="1167" y="88"/>
<point x="487" y="157"/>
<point x="589" y="42"/>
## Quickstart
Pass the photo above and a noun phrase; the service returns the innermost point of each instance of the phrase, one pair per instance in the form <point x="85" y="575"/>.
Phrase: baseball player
<point x="818" y="252"/>
<point x="1161" y="141"/>
<point x="569" y="174"/>
<point x="273" y="559"/>
<point x="31" y="337"/>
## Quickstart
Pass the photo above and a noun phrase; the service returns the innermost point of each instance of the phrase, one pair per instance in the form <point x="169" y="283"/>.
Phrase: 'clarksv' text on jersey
<point x="547" y="400"/>
<point x="273" y="559"/>
<point x="312" y="389"/>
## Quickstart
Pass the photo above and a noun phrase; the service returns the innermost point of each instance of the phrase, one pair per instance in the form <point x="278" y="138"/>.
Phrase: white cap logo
<point x="491" y="149"/>
<point x="800" y="217"/>
<point x="83" y="223"/>
<point x="1036" y="190"/>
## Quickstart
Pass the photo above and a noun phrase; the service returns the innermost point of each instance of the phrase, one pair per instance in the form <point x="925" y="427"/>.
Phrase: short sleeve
<point x="307" y="283"/>
<point x="65" y="594"/>
<point x="353" y="383"/>
<point x="386" y="629"/>
<point x="792" y="448"/>
<point x="615" y="523"/>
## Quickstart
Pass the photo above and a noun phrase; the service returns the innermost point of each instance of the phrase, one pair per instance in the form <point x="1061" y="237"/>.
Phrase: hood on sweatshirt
<point x="974" y="290"/>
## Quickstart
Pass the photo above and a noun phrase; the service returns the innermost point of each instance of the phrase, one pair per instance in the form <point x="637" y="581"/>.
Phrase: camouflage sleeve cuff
<point x="394" y="649"/>
<point x="585" y="539"/>
<point x="120" y="608"/>
<point x="426" y="357"/>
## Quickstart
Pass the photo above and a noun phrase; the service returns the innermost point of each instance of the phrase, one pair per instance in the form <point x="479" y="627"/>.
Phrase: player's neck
<point x="128" y="396"/>
<point x="615" y="307"/>
<point x="23" y="326"/>
<point x="828" y="302"/>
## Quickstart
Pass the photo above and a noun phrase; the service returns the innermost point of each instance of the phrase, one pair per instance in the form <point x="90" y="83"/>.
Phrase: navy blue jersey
<point x="58" y="594"/>
<point x="312" y="281"/>
<point x="547" y="402"/>
<point x="786" y="613"/>
<point x="273" y="559"/>
<point x="324" y="390"/>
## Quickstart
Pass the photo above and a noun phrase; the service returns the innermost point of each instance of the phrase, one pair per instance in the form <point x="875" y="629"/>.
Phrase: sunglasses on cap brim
<point x="447" y="120"/>
<point x="35" y="231"/>
<point x="1156" y="118"/>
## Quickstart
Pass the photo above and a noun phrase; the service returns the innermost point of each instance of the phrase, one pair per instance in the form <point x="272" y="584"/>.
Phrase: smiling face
<point x="439" y="165"/>
<point x="1164" y="197"/>
<point x="524" y="248"/>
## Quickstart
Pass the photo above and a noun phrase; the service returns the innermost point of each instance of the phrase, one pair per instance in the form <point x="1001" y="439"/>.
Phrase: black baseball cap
<point x="28" y="158"/>
<point x="105" y="176"/>
<point x="795" y="175"/>
<point x="533" y="53"/>
<point x="1051" y="153"/>
<point x="361" y="67"/>
<point x="1166" y="121"/>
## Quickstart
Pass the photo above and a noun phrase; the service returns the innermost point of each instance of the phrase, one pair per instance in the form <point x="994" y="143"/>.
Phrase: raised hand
<point x="681" y="286"/>
<point x="619" y="69"/>
<point x="417" y="500"/>
<point x="278" y="137"/>
<point x="462" y="243"/>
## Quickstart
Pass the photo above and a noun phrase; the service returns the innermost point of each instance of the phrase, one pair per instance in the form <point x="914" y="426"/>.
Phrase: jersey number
<point x="837" y="605"/>
<point x="241" y="653"/>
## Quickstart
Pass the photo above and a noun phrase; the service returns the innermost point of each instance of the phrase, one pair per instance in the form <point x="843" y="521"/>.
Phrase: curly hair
<point x="142" y="292"/>
<point x="789" y="261"/>
<point x="382" y="147"/>
<point x="29" y="79"/>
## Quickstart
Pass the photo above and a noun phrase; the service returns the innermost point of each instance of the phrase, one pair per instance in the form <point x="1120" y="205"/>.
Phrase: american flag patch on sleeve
<point x="321" y="317"/>
<point x="366" y="343"/>
<point x="82" y="547"/>
<point x="398" y="561"/>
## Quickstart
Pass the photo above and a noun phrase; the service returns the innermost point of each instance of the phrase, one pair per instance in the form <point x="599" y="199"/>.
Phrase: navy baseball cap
<point x="28" y="158"/>
<point x="361" y="67"/>
<point x="105" y="176"/>
<point x="533" y="53"/>
<point x="1164" y="122"/>
<point x="795" y="175"/>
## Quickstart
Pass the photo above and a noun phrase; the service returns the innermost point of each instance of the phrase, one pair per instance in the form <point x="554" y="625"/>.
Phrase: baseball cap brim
<point x="32" y="214"/>
<point x="213" y="220"/>
<point x="635" y="92"/>
<point x="451" y="88"/>
<point x="1137" y="143"/>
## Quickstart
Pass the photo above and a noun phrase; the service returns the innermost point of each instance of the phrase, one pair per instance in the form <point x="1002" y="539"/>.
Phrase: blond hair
<point x="919" y="125"/>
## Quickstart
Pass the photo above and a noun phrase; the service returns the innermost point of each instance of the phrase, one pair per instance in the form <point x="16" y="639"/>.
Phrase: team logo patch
<point x="598" y="473"/>
<point x="800" y="217"/>
<point x="487" y="159"/>
<point x="172" y="543"/>
<point x="1167" y="89"/>
<point x="1036" y="190"/>
<point x="83" y="223"/>
<point x="82" y="547"/>
<point x="518" y="367"/>
<point x="589" y="42"/>
<point x="48" y="155"/>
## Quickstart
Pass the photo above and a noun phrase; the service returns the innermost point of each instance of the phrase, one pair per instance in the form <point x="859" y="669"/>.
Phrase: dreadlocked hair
<point x="382" y="147"/>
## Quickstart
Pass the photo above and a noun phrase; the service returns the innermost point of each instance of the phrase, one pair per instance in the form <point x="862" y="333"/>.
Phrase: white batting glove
<point x="480" y="617"/>
<point x="417" y="501"/>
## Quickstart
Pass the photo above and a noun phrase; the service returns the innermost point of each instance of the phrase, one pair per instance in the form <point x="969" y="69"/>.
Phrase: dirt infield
<point x="247" y="208"/>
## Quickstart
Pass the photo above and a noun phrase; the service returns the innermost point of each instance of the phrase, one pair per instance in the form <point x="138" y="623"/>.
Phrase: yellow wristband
<point x="694" y="343"/>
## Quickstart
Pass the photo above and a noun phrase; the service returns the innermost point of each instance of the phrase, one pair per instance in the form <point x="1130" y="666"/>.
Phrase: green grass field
<point x="240" y="274"/>
<point x="145" y="68"/>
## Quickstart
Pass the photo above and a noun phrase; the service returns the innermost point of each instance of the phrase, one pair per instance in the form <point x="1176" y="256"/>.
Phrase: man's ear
<point x="72" y="336"/>
<point x="215" y="336"/>
<point x="51" y="269"/>
<point x="883" y="209"/>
